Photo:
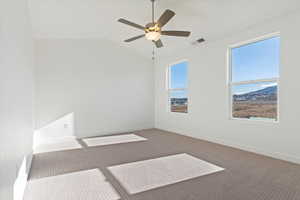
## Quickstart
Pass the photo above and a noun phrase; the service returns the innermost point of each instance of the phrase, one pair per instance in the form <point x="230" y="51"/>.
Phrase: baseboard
<point x="276" y="155"/>
<point x="22" y="178"/>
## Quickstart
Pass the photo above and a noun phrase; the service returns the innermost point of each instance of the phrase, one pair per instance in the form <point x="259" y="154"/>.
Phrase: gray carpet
<point x="248" y="176"/>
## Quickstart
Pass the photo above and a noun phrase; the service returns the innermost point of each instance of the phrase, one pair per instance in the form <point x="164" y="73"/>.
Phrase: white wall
<point x="107" y="87"/>
<point x="208" y="116"/>
<point x="61" y="129"/>
<point x="16" y="91"/>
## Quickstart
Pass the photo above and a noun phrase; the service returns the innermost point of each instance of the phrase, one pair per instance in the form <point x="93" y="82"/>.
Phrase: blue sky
<point x="179" y="75"/>
<point x="254" y="61"/>
<point x="178" y="94"/>
<point x="179" y="79"/>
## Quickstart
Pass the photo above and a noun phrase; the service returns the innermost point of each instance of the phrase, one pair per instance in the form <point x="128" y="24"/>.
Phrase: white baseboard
<point x="276" y="155"/>
<point x="22" y="178"/>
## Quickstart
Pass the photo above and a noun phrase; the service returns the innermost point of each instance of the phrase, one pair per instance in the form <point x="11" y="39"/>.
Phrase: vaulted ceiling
<point x="98" y="18"/>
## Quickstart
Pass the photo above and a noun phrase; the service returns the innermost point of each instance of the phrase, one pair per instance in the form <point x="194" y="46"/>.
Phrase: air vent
<point x="201" y="40"/>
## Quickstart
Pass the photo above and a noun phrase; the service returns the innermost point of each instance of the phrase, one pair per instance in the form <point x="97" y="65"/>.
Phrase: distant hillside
<point x="179" y="101"/>
<point x="266" y="94"/>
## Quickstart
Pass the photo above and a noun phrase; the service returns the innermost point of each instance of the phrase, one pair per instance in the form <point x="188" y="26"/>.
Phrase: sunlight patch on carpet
<point x="116" y="139"/>
<point x="145" y="175"/>
<point x="88" y="185"/>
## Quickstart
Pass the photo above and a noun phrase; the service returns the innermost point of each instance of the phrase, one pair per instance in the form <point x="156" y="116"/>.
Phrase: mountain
<point x="179" y="101"/>
<point x="266" y="94"/>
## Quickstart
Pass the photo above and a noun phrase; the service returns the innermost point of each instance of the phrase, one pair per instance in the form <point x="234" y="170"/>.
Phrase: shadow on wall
<point x="62" y="128"/>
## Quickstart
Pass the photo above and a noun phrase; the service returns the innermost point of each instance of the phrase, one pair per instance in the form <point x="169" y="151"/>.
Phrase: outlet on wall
<point x="66" y="126"/>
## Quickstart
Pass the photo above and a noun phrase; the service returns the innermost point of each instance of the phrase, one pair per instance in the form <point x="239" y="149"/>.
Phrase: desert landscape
<point x="179" y="105"/>
<point x="257" y="104"/>
<point x="254" y="110"/>
<point x="179" y="108"/>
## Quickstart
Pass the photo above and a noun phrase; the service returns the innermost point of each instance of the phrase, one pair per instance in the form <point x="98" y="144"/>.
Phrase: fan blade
<point x="134" y="38"/>
<point x="124" y="21"/>
<point x="176" y="33"/>
<point x="158" y="43"/>
<point x="165" y="17"/>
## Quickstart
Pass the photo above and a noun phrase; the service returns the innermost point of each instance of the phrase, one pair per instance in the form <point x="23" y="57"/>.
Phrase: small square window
<point x="178" y="101"/>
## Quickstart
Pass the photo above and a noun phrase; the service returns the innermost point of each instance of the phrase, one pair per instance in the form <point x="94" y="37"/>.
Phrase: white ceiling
<point x="98" y="18"/>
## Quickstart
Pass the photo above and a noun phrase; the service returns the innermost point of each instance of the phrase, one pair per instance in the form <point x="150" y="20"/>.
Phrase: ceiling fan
<point x="153" y="30"/>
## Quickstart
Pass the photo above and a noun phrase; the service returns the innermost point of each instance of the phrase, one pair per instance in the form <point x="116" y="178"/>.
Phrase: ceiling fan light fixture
<point x="153" y="36"/>
<point x="153" y="30"/>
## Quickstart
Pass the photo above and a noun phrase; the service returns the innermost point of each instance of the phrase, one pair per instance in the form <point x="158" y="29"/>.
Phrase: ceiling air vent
<point x="201" y="40"/>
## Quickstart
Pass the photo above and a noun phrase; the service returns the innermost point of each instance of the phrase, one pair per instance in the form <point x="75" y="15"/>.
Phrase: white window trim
<point x="230" y="83"/>
<point x="169" y="89"/>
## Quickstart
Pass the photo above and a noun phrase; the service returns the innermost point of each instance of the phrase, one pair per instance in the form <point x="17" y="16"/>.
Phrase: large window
<point x="254" y="73"/>
<point x="177" y="87"/>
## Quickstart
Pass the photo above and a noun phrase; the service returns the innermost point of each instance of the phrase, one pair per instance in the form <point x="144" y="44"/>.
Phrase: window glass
<point x="178" y="101"/>
<point x="177" y="89"/>
<point x="254" y="80"/>
<point x="178" y="75"/>
<point x="255" y="101"/>
<point x="258" y="60"/>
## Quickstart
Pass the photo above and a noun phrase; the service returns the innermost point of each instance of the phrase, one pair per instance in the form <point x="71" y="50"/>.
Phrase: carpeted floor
<point x="248" y="176"/>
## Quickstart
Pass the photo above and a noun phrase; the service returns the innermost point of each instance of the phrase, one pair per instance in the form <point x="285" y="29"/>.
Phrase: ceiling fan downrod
<point x="152" y="10"/>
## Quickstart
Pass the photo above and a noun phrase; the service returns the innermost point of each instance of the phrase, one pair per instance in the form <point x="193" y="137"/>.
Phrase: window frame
<point x="231" y="84"/>
<point x="169" y="89"/>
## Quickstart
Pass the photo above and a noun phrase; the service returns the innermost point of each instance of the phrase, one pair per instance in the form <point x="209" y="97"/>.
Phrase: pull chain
<point x="153" y="54"/>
